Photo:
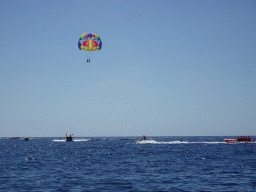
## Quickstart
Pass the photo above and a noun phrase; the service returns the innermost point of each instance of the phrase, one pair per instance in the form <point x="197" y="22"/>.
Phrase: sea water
<point x="124" y="164"/>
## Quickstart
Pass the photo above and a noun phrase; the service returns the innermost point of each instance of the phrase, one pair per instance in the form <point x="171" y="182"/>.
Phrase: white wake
<point x="174" y="142"/>
<point x="75" y="140"/>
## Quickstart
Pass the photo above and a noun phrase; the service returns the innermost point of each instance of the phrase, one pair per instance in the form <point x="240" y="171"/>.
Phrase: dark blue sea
<point x="124" y="164"/>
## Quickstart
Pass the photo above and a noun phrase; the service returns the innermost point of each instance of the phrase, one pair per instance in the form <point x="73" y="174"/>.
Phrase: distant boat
<point x="69" y="137"/>
<point x="240" y="140"/>
<point x="26" y="138"/>
<point x="14" y="138"/>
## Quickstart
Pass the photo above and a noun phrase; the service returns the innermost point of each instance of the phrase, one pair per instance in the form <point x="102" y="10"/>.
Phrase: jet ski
<point x="142" y="139"/>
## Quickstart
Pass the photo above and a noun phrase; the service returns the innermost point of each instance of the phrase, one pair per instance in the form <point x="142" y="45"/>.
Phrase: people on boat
<point x="239" y="139"/>
<point x="144" y="137"/>
<point x="244" y="138"/>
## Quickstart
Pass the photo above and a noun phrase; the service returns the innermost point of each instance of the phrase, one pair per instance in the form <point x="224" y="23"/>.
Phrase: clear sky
<point x="166" y="68"/>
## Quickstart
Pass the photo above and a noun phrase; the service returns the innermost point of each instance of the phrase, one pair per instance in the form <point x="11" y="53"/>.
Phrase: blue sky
<point x="166" y="68"/>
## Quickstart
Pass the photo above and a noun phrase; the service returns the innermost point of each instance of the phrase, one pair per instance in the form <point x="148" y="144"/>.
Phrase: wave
<point x="82" y="139"/>
<point x="212" y="142"/>
<point x="75" y="140"/>
<point x="173" y="142"/>
<point x="56" y="140"/>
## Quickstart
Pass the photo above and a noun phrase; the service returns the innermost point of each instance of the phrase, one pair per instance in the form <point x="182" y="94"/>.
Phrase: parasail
<point x="89" y="42"/>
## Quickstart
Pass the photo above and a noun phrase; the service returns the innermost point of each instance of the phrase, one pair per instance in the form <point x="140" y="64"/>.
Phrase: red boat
<point x="240" y="140"/>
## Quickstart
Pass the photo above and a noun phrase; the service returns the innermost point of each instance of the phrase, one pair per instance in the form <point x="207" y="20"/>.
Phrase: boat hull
<point x="235" y="141"/>
<point x="69" y="138"/>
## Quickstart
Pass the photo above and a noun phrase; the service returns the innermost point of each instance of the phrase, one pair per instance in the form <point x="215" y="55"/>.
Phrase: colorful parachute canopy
<point x="89" y="42"/>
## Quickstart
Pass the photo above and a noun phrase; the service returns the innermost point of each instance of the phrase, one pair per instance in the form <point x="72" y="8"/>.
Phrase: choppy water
<point x="123" y="164"/>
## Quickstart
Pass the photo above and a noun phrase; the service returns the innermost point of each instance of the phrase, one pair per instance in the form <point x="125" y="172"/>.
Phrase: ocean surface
<point x="124" y="164"/>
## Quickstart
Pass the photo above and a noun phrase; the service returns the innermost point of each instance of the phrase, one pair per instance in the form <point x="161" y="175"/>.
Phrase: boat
<point x="240" y="140"/>
<point x="26" y="138"/>
<point x="14" y="138"/>
<point x="69" y="138"/>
